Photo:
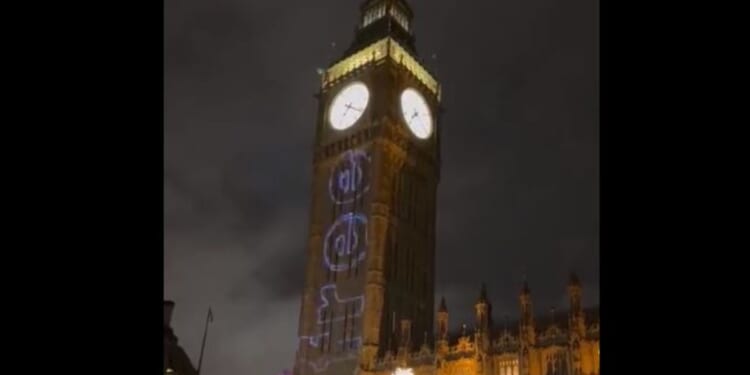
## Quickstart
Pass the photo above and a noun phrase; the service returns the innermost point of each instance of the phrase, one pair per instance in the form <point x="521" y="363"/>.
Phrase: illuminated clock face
<point x="348" y="105"/>
<point x="416" y="113"/>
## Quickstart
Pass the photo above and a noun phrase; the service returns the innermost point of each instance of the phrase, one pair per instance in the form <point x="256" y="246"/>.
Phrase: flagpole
<point x="209" y="317"/>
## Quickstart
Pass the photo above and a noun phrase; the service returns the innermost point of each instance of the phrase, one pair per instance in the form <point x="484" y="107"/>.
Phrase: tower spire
<point x="575" y="292"/>
<point x="482" y="309"/>
<point x="527" y="316"/>
<point x="552" y="313"/>
<point x="573" y="280"/>
<point x="442" y="323"/>
<point x="525" y="291"/>
<point x="483" y="293"/>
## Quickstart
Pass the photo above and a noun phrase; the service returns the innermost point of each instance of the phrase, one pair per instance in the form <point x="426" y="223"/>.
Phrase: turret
<point x="482" y="311"/>
<point x="527" y="330"/>
<point x="577" y="320"/>
<point x="442" y="319"/>
<point x="442" y="328"/>
<point x="576" y="323"/>
<point x="405" y="341"/>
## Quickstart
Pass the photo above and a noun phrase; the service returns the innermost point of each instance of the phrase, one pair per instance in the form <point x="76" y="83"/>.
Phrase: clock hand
<point x="349" y="106"/>
<point x="346" y="110"/>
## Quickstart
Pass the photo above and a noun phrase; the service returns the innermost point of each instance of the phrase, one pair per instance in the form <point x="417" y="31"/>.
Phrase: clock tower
<point x="370" y="271"/>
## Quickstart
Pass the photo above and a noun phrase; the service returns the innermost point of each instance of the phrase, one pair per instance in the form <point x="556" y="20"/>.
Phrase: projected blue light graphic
<point x="314" y="341"/>
<point x="344" y="249"/>
<point x="322" y="364"/>
<point x="345" y="243"/>
<point x="354" y="343"/>
<point x="348" y="180"/>
<point x="331" y="300"/>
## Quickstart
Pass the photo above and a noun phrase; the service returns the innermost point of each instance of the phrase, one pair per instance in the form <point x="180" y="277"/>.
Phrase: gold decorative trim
<point x="375" y="52"/>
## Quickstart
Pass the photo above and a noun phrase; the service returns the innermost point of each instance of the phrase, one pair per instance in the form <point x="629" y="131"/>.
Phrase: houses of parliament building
<point x="368" y="303"/>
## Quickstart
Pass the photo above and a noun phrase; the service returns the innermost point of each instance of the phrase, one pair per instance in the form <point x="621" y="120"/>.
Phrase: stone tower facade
<point x="370" y="269"/>
<point x="368" y="299"/>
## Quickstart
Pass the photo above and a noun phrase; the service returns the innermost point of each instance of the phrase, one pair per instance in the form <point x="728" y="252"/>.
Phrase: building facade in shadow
<point x="176" y="361"/>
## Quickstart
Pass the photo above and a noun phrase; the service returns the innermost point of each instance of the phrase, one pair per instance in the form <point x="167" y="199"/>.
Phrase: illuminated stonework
<point x="373" y="15"/>
<point x="543" y="345"/>
<point x="400" y="17"/>
<point x="563" y="345"/>
<point x="382" y="49"/>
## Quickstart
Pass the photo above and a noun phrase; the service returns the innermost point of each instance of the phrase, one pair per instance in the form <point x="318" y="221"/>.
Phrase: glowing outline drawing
<point x="349" y="175"/>
<point x="314" y="341"/>
<point x="346" y="236"/>
<point x="345" y="243"/>
<point x="359" y="306"/>
<point x="322" y="363"/>
<point x="348" y="342"/>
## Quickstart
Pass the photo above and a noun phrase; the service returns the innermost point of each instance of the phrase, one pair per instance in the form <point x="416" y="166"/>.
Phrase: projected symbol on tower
<point x="349" y="177"/>
<point x="345" y="244"/>
<point x="322" y="363"/>
<point x="319" y="364"/>
<point x="314" y="341"/>
<point x="332" y="305"/>
<point x="353" y="343"/>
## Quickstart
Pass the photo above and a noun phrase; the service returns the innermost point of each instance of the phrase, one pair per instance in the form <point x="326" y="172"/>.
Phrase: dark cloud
<point x="520" y="81"/>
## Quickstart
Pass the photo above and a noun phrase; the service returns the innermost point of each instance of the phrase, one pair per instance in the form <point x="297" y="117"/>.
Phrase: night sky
<point x="519" y="193"/>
